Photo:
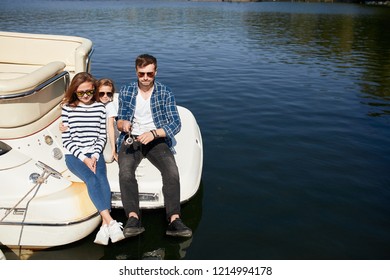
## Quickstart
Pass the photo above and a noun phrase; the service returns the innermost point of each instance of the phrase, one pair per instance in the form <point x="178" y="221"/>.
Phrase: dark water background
<point x="293" y="101"/>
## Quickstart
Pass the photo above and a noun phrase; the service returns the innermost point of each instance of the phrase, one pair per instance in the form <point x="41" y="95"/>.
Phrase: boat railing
<point x="38" y="88"/>
<point x="32" y="109"/>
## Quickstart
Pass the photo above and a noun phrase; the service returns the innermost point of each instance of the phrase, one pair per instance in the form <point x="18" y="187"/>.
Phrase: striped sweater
<point x="86" y="133"/>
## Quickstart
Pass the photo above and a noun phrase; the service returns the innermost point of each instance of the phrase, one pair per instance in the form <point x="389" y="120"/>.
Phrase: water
<point x="293" y="103"/>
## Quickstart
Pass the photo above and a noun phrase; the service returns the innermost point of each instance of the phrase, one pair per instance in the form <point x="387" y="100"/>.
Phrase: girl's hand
<point x="63" y="127"/>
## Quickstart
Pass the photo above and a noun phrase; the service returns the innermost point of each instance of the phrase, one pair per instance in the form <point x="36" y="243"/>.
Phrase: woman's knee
<point x="91" y="181"/>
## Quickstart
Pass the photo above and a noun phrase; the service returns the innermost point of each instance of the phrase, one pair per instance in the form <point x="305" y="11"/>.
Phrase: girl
<point x="106" y="90"/>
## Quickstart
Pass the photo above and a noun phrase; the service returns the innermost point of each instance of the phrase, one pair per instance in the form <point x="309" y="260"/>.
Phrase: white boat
<point x="42" y="204"/>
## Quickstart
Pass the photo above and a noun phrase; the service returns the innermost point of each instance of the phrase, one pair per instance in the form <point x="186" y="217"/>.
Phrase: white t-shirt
<point x="111" y="109"/>
<point x="143" y="120"/>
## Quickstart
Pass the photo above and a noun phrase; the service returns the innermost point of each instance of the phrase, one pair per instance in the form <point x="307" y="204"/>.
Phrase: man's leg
<point x="128" y="160"/>
<point x="161" y="156"/>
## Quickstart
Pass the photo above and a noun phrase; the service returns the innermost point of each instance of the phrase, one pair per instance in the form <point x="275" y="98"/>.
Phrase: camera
<point x="129" y="140"/>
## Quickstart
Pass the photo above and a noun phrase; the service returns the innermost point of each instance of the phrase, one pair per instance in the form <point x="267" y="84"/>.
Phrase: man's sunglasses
<point x="149" y="74"/>
<point x="109" y="94"/>
<point x="87" y="92"/>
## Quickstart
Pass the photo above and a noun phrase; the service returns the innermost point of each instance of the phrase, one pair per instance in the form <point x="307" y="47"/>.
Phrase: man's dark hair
<point x="144" y="60"/>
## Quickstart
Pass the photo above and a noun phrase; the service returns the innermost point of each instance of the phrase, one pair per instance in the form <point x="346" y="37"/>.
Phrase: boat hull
<point x="41" y="236"/>
<point x="38" y="211"/>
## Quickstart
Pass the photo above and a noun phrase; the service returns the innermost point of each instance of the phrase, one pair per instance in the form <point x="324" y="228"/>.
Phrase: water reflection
<point x="338" y="44"/>
<point x="152" y="244"/>
<point x="81" y="250"/>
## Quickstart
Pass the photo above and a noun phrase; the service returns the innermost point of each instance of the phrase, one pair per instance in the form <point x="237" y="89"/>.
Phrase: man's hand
<point x="146" y="137"/>
<point x="124" y="126"/>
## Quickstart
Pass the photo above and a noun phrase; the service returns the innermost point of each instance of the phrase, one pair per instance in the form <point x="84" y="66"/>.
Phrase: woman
<point x="84" y="140"/>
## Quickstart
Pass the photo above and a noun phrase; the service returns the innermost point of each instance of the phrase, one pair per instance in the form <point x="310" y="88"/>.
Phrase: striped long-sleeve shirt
<point x="86" y="133"/>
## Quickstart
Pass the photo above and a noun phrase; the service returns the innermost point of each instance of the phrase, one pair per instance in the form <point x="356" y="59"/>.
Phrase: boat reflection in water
<point x="153" y="244"/>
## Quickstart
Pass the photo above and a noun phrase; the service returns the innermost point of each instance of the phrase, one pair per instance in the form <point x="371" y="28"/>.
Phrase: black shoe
<point x="133" y="227"/>
<point x="177" y="228"/>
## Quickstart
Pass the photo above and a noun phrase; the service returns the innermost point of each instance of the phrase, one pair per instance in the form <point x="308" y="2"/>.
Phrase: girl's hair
<point x="105" y="82"/>
<point x="70" y="97"/>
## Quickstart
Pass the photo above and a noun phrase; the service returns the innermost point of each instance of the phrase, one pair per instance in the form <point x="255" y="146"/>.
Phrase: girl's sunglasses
<point x="109" y="94"/>
<point x="149" y="74"/>
<point x="88" y="93"/>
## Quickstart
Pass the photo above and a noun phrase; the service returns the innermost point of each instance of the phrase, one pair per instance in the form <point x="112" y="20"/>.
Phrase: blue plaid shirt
<point x="164" y="111"/>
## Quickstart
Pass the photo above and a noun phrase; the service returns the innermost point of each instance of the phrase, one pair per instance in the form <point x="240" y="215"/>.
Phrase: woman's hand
<point x="91" y="163"/>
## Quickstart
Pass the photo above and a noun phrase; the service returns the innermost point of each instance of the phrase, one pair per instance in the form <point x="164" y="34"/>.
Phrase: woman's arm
<point x="67" y="139"/>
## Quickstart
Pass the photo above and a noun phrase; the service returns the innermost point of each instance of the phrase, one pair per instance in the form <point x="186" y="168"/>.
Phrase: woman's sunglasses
<point x="149" y="74"/>
<point x="88" y="93"/>
<point x="102" y="93"/>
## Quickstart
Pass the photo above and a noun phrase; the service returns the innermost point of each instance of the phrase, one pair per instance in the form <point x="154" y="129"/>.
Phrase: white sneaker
<point x="102" y="236"/>
<point x="115" y="231"/>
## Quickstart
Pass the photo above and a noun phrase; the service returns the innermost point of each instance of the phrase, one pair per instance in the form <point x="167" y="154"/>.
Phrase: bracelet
<point x="154" y="134"/>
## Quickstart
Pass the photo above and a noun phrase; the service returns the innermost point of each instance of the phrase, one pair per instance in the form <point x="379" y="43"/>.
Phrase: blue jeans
<point x="97" y="184"/>
<point x="159" y="154"/>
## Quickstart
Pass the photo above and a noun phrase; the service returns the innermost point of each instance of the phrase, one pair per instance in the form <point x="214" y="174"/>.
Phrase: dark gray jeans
<point x="159" y="154"/>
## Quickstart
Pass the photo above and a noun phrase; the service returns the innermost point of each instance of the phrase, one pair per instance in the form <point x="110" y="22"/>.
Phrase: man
<point x="147" y="111"/>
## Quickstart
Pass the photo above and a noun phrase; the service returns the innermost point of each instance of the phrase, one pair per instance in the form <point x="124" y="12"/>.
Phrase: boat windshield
<point x="4" y="148"/>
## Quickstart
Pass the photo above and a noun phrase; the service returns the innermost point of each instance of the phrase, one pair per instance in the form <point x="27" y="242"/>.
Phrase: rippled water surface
<point x="293" y="103"/>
